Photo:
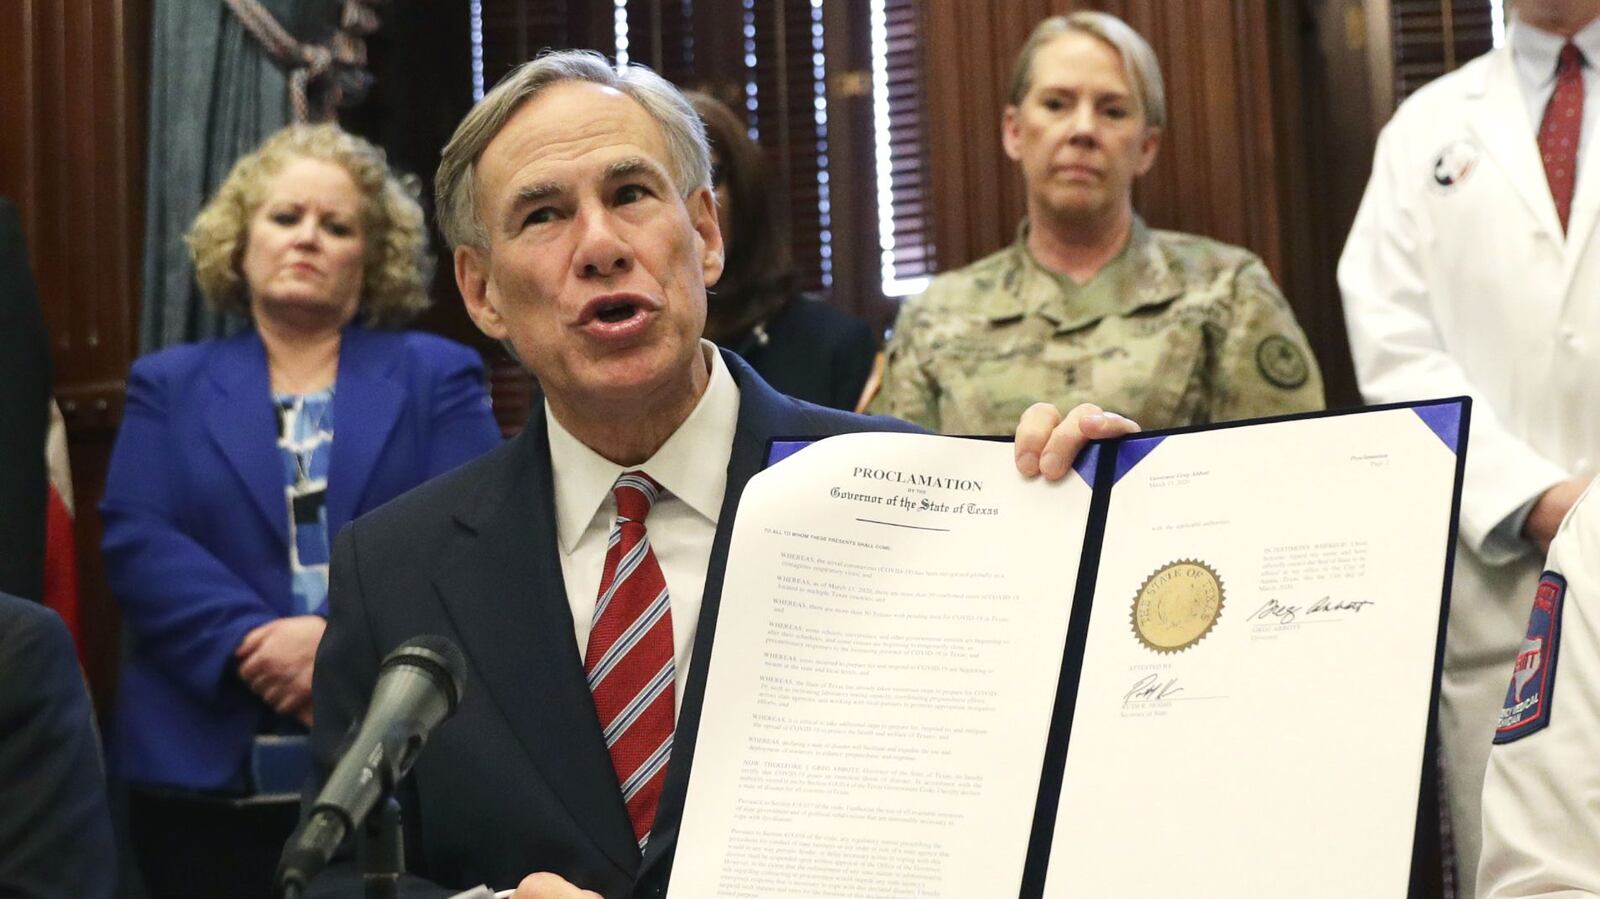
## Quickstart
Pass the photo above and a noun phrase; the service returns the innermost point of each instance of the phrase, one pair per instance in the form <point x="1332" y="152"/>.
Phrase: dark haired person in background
<point x="797" y="343"/>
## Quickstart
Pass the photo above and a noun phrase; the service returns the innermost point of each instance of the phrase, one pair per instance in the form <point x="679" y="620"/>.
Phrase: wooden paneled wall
<point x="1234" y="153"/>
<point x="72" y="100"/>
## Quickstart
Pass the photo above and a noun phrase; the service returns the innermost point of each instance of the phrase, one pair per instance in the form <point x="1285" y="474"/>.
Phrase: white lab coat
<point x="1541" y="796"/>
<point x="1457" y="280"/>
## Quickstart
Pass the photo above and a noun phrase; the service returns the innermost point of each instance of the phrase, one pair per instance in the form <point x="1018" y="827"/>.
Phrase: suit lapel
<point x="244" y="425"/>
<point x="507" y="598"/>
<point x="366" y="405"/>
<point x="761" y="417"/>
<point x="1496" y="112"/>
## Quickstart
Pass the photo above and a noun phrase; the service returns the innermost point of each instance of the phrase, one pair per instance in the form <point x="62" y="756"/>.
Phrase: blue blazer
<point x="519" y="780"/>
<point x="196" y="522"/>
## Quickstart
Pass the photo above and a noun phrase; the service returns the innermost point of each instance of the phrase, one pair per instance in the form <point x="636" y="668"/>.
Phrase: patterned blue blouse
<point x="305" y="442"/>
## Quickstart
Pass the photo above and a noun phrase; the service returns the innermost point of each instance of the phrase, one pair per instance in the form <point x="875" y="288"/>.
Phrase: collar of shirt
<point x="1136" y="277"/>
<point x="1534" y="54"/>
<point x="692" y="465"/>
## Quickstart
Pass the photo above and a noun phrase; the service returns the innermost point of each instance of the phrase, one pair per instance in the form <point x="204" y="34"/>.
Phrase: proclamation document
<point x="1202" y="665"/>
<point x="1260" y="660"/>
<point x="888" y="646"/>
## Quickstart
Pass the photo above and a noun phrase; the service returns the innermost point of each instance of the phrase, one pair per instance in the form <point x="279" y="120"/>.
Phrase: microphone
<point x="419" y="685"/>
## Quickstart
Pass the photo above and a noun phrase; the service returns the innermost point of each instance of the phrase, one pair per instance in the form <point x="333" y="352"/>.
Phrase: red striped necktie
<point x="629" y="659"/>
<point x="1560" y="128"/>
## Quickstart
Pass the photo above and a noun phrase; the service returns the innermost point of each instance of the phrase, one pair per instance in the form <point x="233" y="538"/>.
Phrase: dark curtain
<point x="215" y="94"/>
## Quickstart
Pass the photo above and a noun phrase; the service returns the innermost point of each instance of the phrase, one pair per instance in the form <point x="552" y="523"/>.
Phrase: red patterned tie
<point x="629" y="660"/>
<point x="1558" y="133"/>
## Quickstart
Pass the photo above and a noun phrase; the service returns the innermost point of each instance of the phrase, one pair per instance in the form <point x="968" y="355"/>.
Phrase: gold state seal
<point x="1177" y="606"/>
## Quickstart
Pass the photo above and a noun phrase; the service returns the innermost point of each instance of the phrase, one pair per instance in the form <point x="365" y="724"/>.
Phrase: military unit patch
<point x="1281" y="362"/>
<point x="1532" y="689"/>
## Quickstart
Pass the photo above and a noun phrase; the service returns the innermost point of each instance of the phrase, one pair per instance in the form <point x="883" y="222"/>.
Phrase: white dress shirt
<point x="692" y="467"/>
<point x="1534" y="54"/>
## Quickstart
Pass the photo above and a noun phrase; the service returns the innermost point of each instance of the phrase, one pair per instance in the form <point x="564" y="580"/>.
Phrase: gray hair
<point x="688" y="159"/>
<point x="1138" y="60"/>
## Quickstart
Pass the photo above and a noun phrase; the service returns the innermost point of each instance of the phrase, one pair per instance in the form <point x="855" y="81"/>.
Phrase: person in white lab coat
<point x="1541" y="825"/>
<point x="1469" y="270"/>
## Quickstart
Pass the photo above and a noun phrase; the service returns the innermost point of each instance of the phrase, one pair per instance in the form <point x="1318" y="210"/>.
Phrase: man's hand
<point x="1549" y="510"/>
<point x="276" y="658"/>
<point x="550" y="886"/>
<point x="1047" y="443"/>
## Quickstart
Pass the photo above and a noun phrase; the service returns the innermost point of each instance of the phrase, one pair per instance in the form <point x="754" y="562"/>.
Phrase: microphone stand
<point x="382" y="849"/>
<point x="380" y="845"/>
<point x="419" y="684"/>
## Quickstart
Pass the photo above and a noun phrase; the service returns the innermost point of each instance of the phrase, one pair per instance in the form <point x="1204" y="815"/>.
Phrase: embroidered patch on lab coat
<point x="1532" y="689"/>
<point x="1453" y="164"/>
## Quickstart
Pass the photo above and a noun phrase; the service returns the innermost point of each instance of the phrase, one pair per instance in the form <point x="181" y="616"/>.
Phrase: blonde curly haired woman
<point x="238" y="460"/>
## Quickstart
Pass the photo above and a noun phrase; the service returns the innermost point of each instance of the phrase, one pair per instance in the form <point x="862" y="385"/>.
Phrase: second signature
<point x="1151" y="688"/>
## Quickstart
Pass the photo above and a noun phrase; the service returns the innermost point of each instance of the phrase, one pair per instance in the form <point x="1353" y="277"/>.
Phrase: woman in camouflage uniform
<point x="1089" y="304"/>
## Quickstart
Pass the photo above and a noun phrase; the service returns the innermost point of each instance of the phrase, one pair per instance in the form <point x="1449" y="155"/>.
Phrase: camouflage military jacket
<point x="1176" y="330"/>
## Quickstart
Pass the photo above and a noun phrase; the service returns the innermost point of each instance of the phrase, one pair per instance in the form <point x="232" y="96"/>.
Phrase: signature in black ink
<point x="1150" y="688"/>
<point x="1329" y="604"/>
<point x="1276" y="612"/>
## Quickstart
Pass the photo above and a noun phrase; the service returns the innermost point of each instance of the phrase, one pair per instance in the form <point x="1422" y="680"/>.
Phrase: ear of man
<point x="472" y="279"/>
<point x="703" y="216"/>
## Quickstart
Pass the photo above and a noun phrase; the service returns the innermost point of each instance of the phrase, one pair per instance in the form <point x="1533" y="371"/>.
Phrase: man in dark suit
<point x="578" y="200"/>
<point x="54" y="822"/>
<point x="24" y="412"/>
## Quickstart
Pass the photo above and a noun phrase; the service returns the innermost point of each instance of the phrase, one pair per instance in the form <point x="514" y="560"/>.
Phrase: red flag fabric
<point x="60" y="547"/>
